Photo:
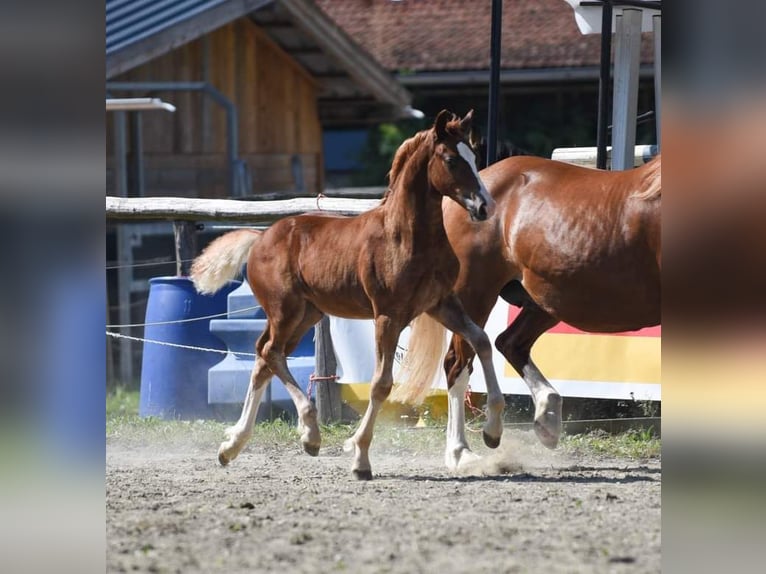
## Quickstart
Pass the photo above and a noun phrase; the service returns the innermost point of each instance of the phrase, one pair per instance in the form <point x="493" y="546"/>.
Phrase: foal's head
<point x="452" y="169"/>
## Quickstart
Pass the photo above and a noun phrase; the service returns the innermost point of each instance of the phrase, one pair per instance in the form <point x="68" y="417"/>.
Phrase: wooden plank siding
<point x="276" y="99"/>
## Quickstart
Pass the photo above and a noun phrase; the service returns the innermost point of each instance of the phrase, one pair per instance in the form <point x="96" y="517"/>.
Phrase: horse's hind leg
<point x="515" y="343"/>
<point x="238" y="434"/>
<point x="451" y="314"/>
<point x="275" y="354"/>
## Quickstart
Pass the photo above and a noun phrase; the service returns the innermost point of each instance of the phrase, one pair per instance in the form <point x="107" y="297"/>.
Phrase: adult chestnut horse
<point x="567" y="243"/>
<point x="392" y="264"/>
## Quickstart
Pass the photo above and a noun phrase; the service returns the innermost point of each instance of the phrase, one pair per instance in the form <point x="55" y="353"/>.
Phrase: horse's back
<point x="316" y="255"/>
<point x="551" y="179"/>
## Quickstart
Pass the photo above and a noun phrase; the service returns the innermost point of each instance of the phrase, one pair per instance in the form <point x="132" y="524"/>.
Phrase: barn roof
<point x="354" y="86"/>
<point x="441" y="37"/>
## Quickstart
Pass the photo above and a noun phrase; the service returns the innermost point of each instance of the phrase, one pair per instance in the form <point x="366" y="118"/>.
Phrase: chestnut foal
<point x="393" y="264"/>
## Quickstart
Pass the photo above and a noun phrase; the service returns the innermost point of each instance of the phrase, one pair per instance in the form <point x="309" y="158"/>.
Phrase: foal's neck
<point x="413" y="206"/>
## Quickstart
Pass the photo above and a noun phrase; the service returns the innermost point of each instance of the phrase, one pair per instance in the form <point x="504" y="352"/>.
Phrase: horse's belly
<point x="346" y="307"/>
<point x="605" y="313"/>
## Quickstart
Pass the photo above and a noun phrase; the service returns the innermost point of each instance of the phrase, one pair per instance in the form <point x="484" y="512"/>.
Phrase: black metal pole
<point x="494" y="81"/>
<point x="603" y="84"/>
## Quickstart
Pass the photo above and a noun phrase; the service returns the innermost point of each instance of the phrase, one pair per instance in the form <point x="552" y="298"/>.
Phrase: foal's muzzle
<point x="479" y="209"/>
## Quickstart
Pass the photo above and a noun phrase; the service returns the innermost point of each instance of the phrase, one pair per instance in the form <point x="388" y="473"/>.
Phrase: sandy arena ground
<point x="275" y="509"/>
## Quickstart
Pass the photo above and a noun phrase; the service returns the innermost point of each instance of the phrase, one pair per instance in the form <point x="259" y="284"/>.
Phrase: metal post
<point x="124" y="249"/>
<point x="232" y="142"/>
<point x="137" y="157"/>
<point x="110" y="375"/>
<point x="494" y="80"/>
<point x="627" y="58"/>
<point x="185" y="234"/>
<point x="207" y="124"/>
<point x="603" y="84"/>
<point x="657" y="22"/>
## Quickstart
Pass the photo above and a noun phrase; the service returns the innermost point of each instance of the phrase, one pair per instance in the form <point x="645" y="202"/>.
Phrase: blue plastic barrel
<point x="174" y="380"/>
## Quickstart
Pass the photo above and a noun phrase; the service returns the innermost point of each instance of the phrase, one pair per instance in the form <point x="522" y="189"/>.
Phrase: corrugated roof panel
<point x="119" y="8"/>
<point x="128" y="21"/>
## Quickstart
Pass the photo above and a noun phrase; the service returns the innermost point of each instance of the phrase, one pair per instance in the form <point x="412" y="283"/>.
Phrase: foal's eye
<point x="451" y="161"/>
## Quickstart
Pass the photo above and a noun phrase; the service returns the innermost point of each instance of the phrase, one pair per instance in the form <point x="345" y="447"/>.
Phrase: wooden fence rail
<point x="192" y="209"/>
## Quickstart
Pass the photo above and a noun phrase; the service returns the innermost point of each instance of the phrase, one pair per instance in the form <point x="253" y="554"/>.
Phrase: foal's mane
<point x="408" y="148"/>
<point x="651" y="183"/>
<point x="404" y="153"/>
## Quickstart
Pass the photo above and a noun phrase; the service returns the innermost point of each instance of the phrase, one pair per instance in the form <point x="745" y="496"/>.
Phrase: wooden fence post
<point x="185" y="233"/>
<point x="327" y="390"/>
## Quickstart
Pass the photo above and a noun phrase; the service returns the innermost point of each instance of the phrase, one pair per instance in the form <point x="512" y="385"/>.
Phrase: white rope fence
<point x="177" y="345"/>
<point x="224" y="314"/>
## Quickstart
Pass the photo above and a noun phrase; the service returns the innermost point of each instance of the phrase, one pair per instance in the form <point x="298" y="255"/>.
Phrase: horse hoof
<point x="546" y="437"/>
<point x="460" y="460"/>
<point x="311" y="449"/>
<point x="223" y="460"/>
<point x="491" y="442"/>
<point x="362" y="474"/>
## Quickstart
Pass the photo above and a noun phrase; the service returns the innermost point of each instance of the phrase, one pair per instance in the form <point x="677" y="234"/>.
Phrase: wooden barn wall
<point x="185" y="152"/>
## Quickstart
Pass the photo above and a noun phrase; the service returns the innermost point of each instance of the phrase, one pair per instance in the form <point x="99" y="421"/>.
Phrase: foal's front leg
<point x="451" y="314"/>
<point x="386" y="337"/>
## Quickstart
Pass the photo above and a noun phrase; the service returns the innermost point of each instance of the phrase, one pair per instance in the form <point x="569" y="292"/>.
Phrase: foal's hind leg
<point x="238" y="434"/>
<point x="515" y="343"/>
<point x="285" y="336"/>
<point x="451" y="314"/>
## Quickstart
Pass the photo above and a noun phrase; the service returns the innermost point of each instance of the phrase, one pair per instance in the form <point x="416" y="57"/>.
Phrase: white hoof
<point x="548" y="424"/>
<point x="459" y="459"/>
<point x="225" y="454"/>
<point x="230" y="449"/>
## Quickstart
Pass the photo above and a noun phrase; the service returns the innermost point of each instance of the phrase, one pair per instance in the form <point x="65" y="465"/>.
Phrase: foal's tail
<point x="427" y="346"/>
<point x="222" y="260"/>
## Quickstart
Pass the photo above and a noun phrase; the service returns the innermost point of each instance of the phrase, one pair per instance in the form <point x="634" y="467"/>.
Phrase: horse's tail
<point x="427" y="346"/>
<point x="222" y="260"/>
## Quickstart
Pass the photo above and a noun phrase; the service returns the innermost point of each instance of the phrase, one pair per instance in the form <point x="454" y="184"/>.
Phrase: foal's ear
<point x="467" y="122"/>
<point x="440" y="125"/>
<point x="474" y="139"/>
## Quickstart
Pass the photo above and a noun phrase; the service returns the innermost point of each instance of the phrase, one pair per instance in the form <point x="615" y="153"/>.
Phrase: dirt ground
<point x="275" y="509"/>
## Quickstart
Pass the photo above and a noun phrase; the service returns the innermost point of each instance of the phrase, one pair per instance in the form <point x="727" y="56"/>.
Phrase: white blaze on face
<point x="467" y="154"/>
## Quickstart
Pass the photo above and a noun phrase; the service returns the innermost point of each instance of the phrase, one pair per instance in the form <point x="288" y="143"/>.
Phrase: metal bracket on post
<point x="626" y="66"/>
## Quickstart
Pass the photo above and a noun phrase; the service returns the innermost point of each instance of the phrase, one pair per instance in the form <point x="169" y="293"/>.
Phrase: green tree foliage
<point x="378" y="153"/>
